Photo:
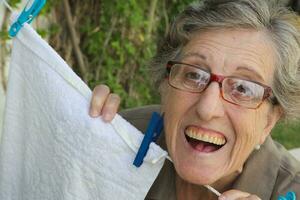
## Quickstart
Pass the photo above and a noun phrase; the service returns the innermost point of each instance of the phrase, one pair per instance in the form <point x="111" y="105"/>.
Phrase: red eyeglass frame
<point x="219" y="79"/>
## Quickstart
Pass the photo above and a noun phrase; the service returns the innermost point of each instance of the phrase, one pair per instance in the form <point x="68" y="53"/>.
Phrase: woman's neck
<point x="189" y="191"/>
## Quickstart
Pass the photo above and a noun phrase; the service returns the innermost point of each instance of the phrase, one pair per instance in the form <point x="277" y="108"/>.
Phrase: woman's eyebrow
<point x="239" y="68"/>
<point x="253" y="71"/>
<point x="194" y="54"/>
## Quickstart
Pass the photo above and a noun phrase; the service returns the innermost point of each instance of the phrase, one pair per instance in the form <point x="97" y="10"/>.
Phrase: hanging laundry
<point x="51" y="148"/>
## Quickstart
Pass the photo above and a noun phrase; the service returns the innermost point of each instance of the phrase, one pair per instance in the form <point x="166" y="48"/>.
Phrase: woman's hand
<point x="104" y="103"/>
<point x="238" y="195"/>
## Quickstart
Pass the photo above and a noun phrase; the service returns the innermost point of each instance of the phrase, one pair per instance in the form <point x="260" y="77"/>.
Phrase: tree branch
<point x="75" y="40"/>
<point x="151" y="19"/>
<point x="105" y="44"/>
<point x="165" y="14"/>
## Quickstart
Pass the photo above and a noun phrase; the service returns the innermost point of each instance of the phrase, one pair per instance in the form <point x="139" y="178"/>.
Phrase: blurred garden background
<point x="111" y="42"/>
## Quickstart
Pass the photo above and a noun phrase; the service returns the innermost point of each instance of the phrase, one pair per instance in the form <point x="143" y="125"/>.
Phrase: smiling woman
<point x="227" y="72"/>
<point x="241" y="121"/>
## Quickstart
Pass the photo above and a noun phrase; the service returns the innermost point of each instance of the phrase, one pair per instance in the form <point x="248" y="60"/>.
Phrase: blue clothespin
<point x="31" y="10"/>
<point x="152" y="133"/>
<point x="289" y="196"/>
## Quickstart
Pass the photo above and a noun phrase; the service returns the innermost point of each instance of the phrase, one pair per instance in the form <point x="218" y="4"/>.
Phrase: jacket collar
<point x="260" y="171"/>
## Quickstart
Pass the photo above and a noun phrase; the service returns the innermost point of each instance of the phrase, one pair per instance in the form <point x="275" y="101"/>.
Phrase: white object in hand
<point x="51" y="148"/>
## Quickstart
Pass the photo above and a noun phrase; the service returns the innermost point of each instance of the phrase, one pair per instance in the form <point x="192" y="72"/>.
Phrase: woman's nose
<point x="210" y="103"/>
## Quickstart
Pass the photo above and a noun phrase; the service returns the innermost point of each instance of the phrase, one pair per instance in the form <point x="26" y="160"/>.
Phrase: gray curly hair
<point x="281" y="24"/>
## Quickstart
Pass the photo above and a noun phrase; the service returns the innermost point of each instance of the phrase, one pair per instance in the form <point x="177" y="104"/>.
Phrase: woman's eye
<point x="193" y="76"/>
<point x="243" y="90"/>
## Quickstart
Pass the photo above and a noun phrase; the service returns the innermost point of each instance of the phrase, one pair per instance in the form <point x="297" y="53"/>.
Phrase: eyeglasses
<point x="193" y="78"/>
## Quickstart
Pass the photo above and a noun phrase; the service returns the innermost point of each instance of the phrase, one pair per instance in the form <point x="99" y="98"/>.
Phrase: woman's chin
<point x="201" y="177"/>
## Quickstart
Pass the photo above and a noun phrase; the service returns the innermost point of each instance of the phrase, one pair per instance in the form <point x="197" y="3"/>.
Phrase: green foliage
<point x="4" y="35"/>
<point x="287" y="134"/>
<point x="122" y="62"/>
<point x="14" y="3"/>
<point x="42" y="32"/>
<point x="50" y="4"/>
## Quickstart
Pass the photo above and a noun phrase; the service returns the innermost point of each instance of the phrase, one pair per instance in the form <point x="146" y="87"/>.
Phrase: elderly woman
<point x="227" y="72"/>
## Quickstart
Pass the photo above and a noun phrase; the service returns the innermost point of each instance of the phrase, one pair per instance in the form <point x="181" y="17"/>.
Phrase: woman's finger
<point x="110" y="107"/>
<point x="237" y="195"/>
<point x="253" y="197"/>
<point x="99" y="96"/>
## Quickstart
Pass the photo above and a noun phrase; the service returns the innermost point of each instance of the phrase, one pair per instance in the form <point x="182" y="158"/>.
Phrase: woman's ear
<point x="273" y="117"/>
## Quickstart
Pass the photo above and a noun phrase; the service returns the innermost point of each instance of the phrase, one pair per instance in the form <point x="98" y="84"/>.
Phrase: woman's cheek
<point x="171" y="122"/>
<point x="166" y="107"/>
<point x="247" y="135"/>
<point x="240" y="152"/>
<point x="176" y="104"/>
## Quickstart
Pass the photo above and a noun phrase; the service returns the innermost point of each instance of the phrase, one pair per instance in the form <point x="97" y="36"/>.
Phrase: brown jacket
<point x="268" y="172"/>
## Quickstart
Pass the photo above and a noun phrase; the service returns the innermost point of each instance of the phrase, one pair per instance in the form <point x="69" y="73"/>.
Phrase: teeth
<point x="218" y="140"/>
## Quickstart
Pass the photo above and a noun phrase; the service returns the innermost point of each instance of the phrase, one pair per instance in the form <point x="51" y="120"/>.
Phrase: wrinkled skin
<point x="242" y="53"/>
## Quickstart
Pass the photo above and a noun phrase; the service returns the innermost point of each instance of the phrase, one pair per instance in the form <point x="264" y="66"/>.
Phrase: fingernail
<point x="222" y="198"/>
<point x="93" y="113"/>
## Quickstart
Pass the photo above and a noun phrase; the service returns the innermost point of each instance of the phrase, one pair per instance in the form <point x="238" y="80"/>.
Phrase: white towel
<point x="51" y="148"/>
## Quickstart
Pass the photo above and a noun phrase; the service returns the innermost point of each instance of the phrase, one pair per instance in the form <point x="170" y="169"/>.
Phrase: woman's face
<point x="247" y="54"/>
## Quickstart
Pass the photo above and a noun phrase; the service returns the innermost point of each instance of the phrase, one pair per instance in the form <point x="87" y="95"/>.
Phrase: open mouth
<point x="203" y="141"/>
